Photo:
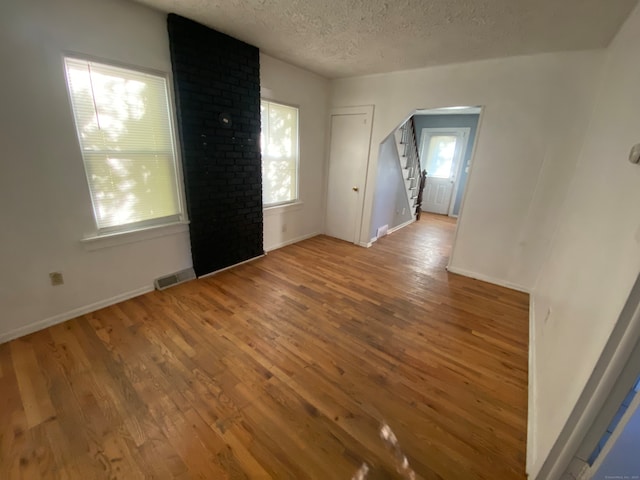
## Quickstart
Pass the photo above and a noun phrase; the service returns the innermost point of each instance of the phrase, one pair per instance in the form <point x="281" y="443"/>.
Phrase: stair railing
<point x="412" y="165"/>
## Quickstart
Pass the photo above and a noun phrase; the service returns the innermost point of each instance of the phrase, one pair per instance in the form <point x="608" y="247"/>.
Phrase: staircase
<point x="407" y="145"/>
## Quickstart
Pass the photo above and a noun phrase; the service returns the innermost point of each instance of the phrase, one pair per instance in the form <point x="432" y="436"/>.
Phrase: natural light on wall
<point x="124" y="128"/>
<point x="279" y="142"/>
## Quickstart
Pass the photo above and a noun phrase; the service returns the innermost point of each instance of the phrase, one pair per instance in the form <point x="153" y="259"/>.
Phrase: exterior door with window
<point x="441" y="153"/>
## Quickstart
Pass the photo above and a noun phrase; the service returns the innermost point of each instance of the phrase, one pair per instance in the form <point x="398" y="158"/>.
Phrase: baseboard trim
<point x="292" y="241"/>
<point x="231" y="266"/>
<point x="402" y="225"/>
<point x="63" y="317"/>
<point x="531" y="401"/>
<point x="487" y="278"/>
<point x="389" y="232"/>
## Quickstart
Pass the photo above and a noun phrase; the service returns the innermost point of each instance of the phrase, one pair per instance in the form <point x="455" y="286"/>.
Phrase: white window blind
<point x="279" y="143"/>
<point x="124" y="127"/>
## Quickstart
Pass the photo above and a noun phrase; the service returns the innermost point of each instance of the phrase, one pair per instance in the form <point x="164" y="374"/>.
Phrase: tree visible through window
<point x="124" y="128"/>
<point x="279" y="143"/>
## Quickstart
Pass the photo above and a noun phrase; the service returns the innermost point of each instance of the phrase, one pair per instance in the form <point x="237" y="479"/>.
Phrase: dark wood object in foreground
<point x="280" y="368"/>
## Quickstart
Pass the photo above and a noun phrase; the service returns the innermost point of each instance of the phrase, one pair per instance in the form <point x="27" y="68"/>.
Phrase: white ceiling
<point x="339" y="38"/>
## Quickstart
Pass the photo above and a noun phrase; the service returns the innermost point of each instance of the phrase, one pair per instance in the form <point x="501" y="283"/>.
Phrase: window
<point x="279" y="143"/>
<point x="123" y="122"/>
<point x="440" y="155"/>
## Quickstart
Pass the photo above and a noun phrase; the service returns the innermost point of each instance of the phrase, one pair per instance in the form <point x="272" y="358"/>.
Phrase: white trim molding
<point x="532" y="392"/>
<point x="77" y="312"/>
<point x="97" y="242"/>
<point x="471" y="165"/>
<point x="291" y="242"/>
<point x="402" y="225"/>
<point x="487" y="278"/>
<point x="282" y="209"/>
<point x="231" y="266"/>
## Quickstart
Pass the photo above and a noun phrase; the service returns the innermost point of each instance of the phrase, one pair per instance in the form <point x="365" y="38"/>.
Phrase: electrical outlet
<point x="404" y="210"/>
<point x="56" y="278"/>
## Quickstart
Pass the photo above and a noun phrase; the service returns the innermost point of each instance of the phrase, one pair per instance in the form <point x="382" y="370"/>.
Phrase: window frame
<point x="296" y="200"/>
<point x="120" y="231"/>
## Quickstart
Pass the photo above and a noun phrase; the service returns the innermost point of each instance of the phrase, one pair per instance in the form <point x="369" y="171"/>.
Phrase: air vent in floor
<point x="174" y="279"/>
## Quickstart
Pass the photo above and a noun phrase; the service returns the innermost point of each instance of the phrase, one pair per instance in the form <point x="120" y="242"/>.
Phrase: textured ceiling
<point x="339" y="38"/>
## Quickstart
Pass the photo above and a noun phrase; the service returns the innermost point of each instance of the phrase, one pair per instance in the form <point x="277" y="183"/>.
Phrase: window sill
<point x="97" y="242"/>
<point x="280" y="209"/>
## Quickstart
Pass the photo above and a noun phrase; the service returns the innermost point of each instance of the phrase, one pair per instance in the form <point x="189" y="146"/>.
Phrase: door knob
<point x="355" y="189"/>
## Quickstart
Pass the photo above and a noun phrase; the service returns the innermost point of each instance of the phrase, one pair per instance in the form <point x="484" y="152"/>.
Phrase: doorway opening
<point x="442" y="150"/>
<point x="594" y="442"/>
<point x="423" y="169"/>
<point x="615" y="455"/>
<point x="446" y="139"/>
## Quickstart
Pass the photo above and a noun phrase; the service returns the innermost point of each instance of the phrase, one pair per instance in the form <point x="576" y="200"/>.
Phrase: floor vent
<point x="174" y="279"/>
<point x="382" y="231"/>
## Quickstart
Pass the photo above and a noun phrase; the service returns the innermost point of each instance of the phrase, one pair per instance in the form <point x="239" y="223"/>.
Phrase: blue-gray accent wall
<point x="452" y="121"/>
<point x="390" y="198"/>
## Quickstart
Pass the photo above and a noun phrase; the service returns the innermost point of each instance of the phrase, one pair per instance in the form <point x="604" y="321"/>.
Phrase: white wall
<point x="44" y="200"/>
<point x="535" y="110"/>
<point x="309" y="92"/>
<point x="595" y="254"/>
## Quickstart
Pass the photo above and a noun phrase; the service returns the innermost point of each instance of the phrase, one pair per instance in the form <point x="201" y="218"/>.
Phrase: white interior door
<point x="348" y="154"/>
<point x="441" y="154"/>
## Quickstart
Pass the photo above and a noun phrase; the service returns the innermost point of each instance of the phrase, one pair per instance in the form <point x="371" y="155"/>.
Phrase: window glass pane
<point x="440" y="155"/>
<point x="124" y="128"/>
<point x="131" y="187"/>
<point x="279" y="144"/>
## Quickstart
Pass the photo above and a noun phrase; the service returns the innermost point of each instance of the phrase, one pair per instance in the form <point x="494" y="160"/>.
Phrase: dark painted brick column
<point x="217" y="89"/>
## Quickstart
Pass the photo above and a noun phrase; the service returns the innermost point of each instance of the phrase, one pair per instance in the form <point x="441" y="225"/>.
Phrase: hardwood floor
<point x="281" y="368"/>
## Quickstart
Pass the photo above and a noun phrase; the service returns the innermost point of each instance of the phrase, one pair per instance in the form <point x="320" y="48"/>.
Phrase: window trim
<point x="282" y="208"/>
<point x="296" y="200"/>
<point x="114" y="239"/>
<point x="119" y="231"/>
